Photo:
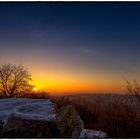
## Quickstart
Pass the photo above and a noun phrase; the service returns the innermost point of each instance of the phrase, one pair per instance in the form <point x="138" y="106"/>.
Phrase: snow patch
<point x="28" y="108"/>
<point x="87" y="133"/>
<point x="36" y="111"/>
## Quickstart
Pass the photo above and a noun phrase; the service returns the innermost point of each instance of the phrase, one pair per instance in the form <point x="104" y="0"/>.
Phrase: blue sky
<point x="93" y="41"/>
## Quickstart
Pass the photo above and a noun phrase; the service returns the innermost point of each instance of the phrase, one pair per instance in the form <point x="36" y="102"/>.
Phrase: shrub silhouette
<point x="38" y="95"/>
<point x="134" y="89"/>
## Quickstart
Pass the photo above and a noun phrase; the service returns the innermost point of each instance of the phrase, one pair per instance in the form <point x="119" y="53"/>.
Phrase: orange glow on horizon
<point x="58" y="87"/>
<point x="64" y="81"/>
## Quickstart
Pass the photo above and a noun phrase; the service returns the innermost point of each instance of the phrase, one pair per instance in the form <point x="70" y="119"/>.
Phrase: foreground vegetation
<point x="117" y="115"/>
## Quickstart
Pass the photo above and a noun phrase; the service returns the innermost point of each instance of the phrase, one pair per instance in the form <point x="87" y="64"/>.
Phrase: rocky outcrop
<point x="31" y="113"/>
<point x="70" y="123"/>
<point x="10" y="106"/>
<point x="32" y="120"/>
<point x="41" y="119"/>
<point x="39" y="129"/>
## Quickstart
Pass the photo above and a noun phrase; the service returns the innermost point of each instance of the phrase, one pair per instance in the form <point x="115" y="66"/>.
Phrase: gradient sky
<point x="73" y="47"/>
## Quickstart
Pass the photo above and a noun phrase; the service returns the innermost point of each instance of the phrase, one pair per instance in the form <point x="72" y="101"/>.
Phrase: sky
<point x="73" y="47"/>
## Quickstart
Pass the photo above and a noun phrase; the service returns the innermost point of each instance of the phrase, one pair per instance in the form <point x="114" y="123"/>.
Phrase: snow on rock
<point x="34" y="118"/>
<point x="37" y="118"/>
<point x="27" y="108"/>
<point x="87" y="133"/>
<point x="36" y="111"/>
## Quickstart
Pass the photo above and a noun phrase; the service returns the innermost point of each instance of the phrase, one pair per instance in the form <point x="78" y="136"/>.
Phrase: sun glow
<point x="63" y="82"/>
<point x="34" y="89"/>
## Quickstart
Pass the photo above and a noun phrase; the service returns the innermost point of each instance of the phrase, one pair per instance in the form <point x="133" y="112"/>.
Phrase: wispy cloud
<point x="87" y="50"/>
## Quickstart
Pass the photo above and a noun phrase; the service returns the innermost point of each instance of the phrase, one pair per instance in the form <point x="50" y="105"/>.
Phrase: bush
<point x="70" y="123"/>
<point x="36" y="95"/>
<point x="133" y="88"/>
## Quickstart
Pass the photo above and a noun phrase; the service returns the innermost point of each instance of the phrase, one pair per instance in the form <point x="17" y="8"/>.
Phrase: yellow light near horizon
<point x="63" y="82"/>
<point x="34" y="89"/>
<point x="70" y="86"/>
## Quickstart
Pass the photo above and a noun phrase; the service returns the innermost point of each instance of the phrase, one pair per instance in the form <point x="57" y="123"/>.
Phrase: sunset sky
<point x="73" y="47"/>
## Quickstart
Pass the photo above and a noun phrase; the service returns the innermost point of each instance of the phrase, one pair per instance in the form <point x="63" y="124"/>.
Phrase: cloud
<point x="87" y="51"/>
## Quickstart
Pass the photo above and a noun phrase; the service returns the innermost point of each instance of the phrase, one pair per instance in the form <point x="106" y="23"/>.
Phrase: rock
<point x="7" y="106"/>
<point x="38" y="129"/>
<point x="69" y="123"/>
<point x="1" y="126"/>
<point x="39" y="118"/>
<point x="27" y="114"/>
<point x="33" y="120"/>
<point x="87" y="133"/>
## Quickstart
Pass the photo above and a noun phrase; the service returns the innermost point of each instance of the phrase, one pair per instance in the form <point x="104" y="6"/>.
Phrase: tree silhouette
<point x="133" y="88"/>
<point x="14" y="80"/>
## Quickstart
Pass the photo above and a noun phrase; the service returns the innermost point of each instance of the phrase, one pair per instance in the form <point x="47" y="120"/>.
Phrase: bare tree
<point x="14" y="80"/>
<point x="133" y="89"/>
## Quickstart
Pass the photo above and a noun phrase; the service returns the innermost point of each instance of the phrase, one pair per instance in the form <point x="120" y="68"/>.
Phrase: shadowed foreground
<point x="40" y="118"/>
<point x="117" y="115"/>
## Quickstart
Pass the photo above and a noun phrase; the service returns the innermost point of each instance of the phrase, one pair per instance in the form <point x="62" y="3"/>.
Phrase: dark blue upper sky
<point x="95" y="39"/>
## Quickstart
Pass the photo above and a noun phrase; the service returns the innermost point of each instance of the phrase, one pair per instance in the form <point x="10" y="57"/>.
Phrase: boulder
<point x="87" y="133"/>
<point x="32" y="120"/>
<point x="8" y="105"/>
<point x="69" y="123"/>
<point x="38" y="118"/>
<point x="35" y="129"/>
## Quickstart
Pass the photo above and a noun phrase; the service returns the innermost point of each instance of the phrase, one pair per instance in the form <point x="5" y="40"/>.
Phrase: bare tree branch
<point x="14" y="79"/>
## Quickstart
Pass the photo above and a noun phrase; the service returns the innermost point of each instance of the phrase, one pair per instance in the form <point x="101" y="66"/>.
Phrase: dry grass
<point x="31" y="95"/>
<point x="133" y="89"/>
<point x="36" y="95"/>
<point x="118" y="115"/>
